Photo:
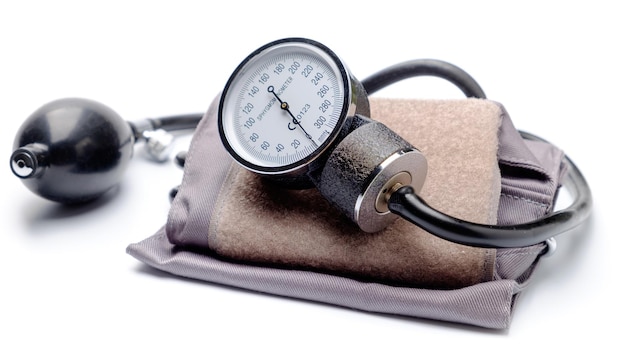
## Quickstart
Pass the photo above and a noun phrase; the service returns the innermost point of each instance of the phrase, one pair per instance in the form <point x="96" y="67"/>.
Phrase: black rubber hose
<point x="178" y="122"/>
<point x="424" y="67"/>
<point x="411" y="207"/>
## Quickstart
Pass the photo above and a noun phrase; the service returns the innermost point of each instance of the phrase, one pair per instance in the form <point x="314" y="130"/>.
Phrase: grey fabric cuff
<point x="530" y="176"/>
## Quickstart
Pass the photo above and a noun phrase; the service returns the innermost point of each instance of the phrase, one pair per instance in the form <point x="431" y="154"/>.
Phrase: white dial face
<point x="284" y="105"/>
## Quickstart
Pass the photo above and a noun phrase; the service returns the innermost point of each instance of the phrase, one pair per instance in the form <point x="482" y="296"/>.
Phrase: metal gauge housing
<point x="285" y="105"/>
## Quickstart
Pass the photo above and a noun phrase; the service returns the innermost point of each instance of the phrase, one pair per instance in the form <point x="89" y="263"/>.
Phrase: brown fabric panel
<point x="256" y="222"/>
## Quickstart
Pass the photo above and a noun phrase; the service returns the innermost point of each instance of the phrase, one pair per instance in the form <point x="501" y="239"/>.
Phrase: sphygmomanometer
<point x="292" y="118"/>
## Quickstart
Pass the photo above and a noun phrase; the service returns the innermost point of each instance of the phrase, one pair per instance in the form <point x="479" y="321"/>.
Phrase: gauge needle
<point x="285" y="106"/>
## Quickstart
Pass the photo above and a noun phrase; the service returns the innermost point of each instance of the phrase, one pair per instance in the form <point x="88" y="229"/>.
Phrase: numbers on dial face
<point x="283" y="106"/>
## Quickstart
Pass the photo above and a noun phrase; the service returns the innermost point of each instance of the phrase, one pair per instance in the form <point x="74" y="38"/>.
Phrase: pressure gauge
<point x="291" y="111"/>
<point x="285" y="104"/>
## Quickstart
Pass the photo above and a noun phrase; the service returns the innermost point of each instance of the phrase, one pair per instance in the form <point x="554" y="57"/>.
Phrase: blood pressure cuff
<point x="229" y="226"/>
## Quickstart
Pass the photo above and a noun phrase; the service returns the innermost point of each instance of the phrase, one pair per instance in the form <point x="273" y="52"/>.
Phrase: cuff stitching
<point x="527" y="200"/>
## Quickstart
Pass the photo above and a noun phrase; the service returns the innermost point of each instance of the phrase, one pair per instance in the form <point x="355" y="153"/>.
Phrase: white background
<point x="67" y="283"/>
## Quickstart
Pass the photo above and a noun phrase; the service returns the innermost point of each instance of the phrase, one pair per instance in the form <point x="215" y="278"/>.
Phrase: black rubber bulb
<point x="72" y="150"/>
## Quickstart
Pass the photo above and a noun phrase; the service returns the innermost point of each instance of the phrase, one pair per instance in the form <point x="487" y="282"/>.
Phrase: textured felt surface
<point x="257" y="222"/>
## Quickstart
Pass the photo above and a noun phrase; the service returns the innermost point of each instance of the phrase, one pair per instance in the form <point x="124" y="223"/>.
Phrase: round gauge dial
<point x="284" y="105"/>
